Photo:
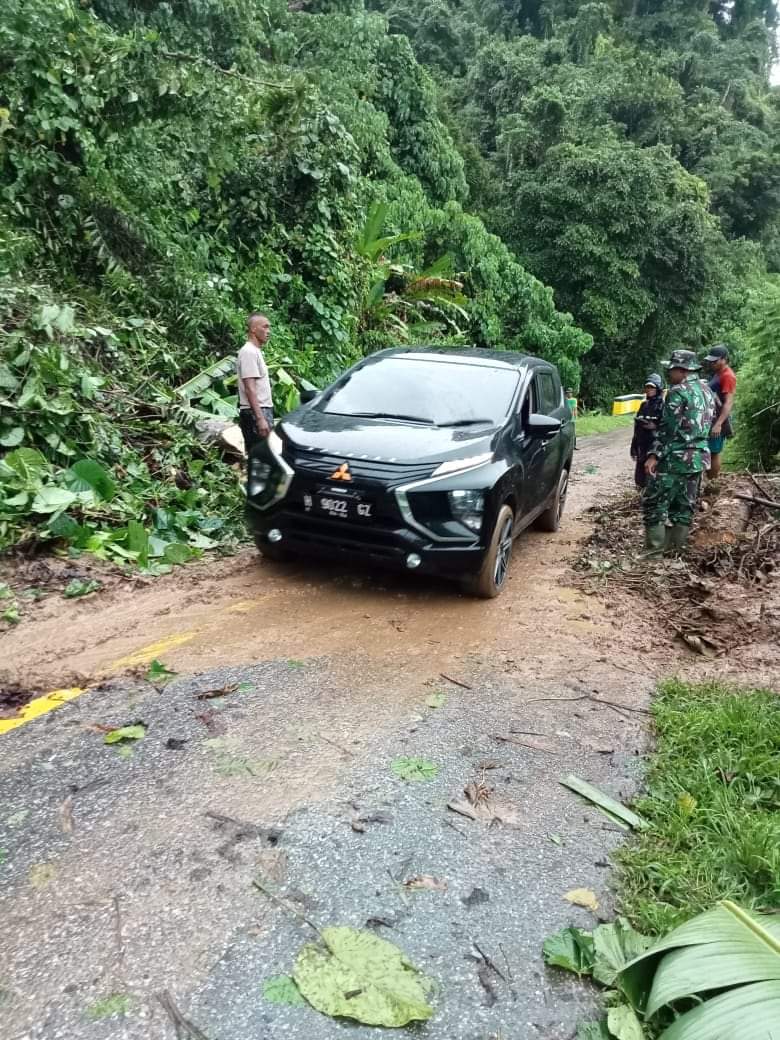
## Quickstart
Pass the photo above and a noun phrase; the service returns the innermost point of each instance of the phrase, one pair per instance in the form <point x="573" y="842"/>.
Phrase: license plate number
<point x="344" y="507"/>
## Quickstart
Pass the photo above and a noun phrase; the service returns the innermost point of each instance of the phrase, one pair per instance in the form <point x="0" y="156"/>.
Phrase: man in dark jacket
<point x="645" y="425"/>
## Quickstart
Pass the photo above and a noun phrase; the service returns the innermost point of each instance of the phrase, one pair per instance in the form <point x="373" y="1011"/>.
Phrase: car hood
<point x="385" y="439"/>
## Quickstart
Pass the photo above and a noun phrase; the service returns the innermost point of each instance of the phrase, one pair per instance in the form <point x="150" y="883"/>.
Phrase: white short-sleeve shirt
<point x="250" y="364"/>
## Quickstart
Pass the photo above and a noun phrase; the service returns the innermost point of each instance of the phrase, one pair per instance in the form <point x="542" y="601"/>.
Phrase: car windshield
<point x="431" y="392"/>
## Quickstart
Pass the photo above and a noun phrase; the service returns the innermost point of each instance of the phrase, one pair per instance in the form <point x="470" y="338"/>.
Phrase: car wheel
<point x="492" y="575"/>
<point x="272" y="552"/>
<point x="550" y="519"/>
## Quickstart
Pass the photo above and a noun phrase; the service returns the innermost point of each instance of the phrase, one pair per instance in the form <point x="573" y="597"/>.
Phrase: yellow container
<point x="627" y="404"/>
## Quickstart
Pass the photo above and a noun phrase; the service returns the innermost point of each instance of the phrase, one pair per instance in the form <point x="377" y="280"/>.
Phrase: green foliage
<point x="757" y="419"/>
<point x="163" y="172"/>
<point x="625" y="153"/>
<point x="721" y="748"/>
<point x="414" y="768"/>
<point x="108" y="1007"/>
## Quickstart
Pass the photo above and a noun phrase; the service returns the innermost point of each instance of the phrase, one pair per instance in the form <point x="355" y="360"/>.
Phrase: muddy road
<point x="270" y="755"/>
<point x="245" y="609"/>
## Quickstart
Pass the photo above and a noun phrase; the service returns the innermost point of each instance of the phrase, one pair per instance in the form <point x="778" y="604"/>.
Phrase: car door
<point x="529" y="456"/>
<point x="552" y="403"/>
<point x="543" y="455"/>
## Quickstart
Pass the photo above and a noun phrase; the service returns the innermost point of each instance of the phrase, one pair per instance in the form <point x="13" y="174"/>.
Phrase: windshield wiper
<point x="392" y="415"/>
<point x="466" y="422"/>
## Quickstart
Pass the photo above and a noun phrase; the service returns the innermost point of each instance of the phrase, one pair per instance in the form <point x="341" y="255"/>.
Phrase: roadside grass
<point x="713" y="807"/>
<point x="597" y="422"/>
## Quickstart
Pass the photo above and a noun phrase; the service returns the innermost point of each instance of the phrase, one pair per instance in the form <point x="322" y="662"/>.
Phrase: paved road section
<point x="126" y="871"/>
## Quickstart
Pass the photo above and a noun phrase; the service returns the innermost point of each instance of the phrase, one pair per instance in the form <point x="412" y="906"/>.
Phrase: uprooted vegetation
<point x="720" y="595"/>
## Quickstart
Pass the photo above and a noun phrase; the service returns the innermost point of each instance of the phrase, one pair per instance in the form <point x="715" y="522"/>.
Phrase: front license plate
<point x="344" y="507"/>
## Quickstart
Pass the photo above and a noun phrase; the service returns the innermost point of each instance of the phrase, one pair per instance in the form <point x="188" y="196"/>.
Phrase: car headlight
<point x="456" y="465"/>
<point x="259" y="472"/>
<point x="467" y="507"/>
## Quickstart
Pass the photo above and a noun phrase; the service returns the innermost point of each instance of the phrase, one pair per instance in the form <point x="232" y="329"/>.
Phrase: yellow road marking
<point x="148" y="653"/>
<point x="53" y="699"/>
<point x="40" y="706"/>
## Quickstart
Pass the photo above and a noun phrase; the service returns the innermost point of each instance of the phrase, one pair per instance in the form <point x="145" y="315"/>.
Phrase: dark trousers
<point x="246" y="420"/>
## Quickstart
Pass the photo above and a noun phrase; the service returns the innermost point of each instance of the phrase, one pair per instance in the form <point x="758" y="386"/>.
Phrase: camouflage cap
<point x="683" y="359"/>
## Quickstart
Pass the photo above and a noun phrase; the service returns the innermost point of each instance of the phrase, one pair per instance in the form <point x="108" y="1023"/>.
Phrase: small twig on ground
<point x="527" y="744"/>
<point x="339" y="747"/>
<point x="185" y="1030"/>
<point x="595" y="700"/>
<point x="120" y="949"/>
<point x="240" y="824"/>
<point x="451" y="824"/>
<point x="262" y="886"/>
<point x="491" y="964"/>
<point x="456" y="682"/>
<point x="220" y="691"/>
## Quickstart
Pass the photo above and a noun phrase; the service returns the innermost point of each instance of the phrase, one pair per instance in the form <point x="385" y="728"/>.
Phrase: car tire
<point x="277" y="553"/>
<point x="550" y="519"/>
<point x="490" y="580"/>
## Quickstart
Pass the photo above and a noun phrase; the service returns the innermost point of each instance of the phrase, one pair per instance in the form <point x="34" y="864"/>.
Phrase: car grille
<point x="389" y="474"/>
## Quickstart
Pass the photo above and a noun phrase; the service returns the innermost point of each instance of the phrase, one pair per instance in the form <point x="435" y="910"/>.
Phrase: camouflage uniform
<point x="681" y="447"/>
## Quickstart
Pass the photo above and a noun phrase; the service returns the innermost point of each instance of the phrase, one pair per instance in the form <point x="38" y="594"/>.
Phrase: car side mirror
<point x="308" y="393"/>
<point x="542" y="425"/>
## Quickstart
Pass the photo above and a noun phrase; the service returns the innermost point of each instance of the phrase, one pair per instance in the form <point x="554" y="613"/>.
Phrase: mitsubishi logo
<point x="342" y="473"/>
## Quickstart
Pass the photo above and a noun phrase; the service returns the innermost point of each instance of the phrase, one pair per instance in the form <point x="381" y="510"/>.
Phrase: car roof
<point x="466" y="356"/>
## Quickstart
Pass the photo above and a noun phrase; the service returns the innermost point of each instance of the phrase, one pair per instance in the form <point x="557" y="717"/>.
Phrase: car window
<point x="548" y="396"/>
<point x="428" y="391"/>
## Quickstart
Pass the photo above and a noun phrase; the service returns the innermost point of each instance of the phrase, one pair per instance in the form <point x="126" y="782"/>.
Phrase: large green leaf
<point x="724" y="947"/>
<point x="27" y="463"/>
<point x="616" y="945"/>
<point x="362" y="977"/>
<point x="745" y="1013"/>
<point x="88" y="475"/>
<point x="623" y="1023"/>
<point x="571" y="948"/>
<point x="52" y="499"/>
<point x="138" y="541"/>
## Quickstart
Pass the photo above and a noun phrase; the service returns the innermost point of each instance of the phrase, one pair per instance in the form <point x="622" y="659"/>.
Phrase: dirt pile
<point x="724" y="592"/>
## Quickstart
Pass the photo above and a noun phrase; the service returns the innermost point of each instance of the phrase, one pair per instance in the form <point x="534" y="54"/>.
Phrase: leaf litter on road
<point x="583" y="897"/>
<point x="355" y="974"/>
<point x="158" y="673"/>
<point x="437" y="699"/>
<point x="281" y="989"/>
<point x="614" y="810"/>
<point x="426" y="882"/>
<point x="414" y="768"/>
<point x="125" y="733"/>
<point x="482" y="804"/>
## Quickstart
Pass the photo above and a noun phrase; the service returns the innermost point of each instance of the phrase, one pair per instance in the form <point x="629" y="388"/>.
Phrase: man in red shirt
<point x="723" y="384"/>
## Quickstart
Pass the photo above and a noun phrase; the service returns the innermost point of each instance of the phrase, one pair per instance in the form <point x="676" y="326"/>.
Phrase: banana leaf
<point x="726" y="948"/>
<point x="203" y="380"/>
<point x="744" y="1013"/>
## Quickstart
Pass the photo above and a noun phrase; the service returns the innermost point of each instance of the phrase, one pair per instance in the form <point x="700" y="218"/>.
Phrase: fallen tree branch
<point x="758" y="501"/>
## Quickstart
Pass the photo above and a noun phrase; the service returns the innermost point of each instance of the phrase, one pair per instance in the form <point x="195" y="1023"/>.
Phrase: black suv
<point x="425" y="459"/>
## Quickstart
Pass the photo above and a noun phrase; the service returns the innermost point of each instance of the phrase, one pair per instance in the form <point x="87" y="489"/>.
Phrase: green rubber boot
<point x="655" y="540"/>
<point x="677" y="538"/>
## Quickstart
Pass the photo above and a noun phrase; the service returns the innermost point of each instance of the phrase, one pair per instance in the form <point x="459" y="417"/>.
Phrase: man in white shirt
<point x="255" y="405"/>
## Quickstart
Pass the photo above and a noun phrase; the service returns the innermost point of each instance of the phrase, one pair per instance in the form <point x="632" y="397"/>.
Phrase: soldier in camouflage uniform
<point x="678" y="456"/>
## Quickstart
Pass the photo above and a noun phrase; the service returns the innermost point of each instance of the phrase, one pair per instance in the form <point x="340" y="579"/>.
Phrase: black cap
<point x="719" y="353"/>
